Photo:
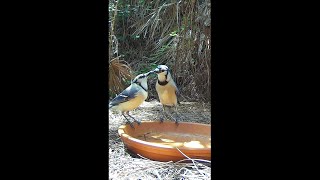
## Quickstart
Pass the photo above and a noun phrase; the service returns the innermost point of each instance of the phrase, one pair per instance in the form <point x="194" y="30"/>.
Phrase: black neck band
<point x="163" y="83"/>
<point x="142" y="87"/>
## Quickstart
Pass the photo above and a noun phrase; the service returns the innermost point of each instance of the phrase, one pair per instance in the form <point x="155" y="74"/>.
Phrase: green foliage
<point x="174" y="33"/>
<point x="153" y="32"/>
<point x="145" y="67"/>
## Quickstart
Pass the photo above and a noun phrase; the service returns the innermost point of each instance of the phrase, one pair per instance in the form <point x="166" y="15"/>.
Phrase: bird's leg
<point x="139" y="122"/>
<point x="175" y="119"/>
<point x="163" y="114"/>
<point x="129" y="122"/>
<point x="159" y="114"/>
<point x="177" y="114"/>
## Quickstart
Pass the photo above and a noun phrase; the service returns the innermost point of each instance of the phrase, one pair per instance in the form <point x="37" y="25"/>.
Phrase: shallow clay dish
<point x="159" y="141"/>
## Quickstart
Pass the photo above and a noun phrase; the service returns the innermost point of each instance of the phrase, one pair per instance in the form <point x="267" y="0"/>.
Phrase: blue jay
<point x="132" y="97"/>
<point x="166" y="88"/>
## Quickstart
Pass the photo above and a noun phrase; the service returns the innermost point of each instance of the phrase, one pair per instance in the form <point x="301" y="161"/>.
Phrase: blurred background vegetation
<point x="147" y="33"/>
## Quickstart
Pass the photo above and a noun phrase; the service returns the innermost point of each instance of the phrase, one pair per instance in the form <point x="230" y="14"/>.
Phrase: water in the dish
<point x="177" y="139"/>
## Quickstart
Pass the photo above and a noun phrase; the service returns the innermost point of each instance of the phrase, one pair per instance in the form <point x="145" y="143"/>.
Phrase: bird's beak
<point x="157" y="70"/>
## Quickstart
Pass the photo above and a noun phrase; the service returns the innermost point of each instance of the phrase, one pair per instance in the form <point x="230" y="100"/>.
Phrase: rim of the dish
<point x="122" y="133"/>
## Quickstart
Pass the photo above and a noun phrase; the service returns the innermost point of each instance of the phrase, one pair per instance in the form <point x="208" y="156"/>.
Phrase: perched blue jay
<point x="132" y="97"/>
<point x="166" y="88"/>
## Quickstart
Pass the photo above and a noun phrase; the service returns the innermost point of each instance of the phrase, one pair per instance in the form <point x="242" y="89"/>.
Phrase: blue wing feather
<point x="124" y="96"/>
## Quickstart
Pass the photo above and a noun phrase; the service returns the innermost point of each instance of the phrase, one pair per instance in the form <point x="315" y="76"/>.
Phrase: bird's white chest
<point x="167" y="94"/>
<point x="135" y="102"/>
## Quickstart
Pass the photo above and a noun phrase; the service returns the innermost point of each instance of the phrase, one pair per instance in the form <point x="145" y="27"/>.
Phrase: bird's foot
<point x="130" y="123"/>
<point x="163" y="117"/>
<point x="176" y="119"/>
<point x="138" y="122"/>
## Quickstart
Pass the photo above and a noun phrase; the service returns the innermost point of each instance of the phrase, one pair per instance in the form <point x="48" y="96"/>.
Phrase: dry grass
<point x="174" y="33"/>
<point x="125" y="165"/>
<point x="119" y="73"/>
